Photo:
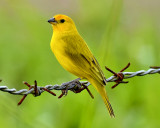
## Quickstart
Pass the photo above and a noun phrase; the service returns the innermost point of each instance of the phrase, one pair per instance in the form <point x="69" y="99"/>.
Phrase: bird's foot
<point x="76" y="86"/>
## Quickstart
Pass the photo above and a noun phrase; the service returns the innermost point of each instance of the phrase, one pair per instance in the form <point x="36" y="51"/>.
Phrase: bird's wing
<point x="79" y="53"/>
<point x="95" y="67"/>
<point x="88" y="64"/>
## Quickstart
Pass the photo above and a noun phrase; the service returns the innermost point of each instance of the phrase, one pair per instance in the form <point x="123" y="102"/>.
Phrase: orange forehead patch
<point x="60" y="16"/>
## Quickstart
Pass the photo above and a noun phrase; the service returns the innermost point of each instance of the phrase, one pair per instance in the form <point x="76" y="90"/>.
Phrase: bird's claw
<point x="78" y="87"/>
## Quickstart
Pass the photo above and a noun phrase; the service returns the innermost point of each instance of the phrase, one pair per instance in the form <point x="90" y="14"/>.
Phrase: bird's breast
<point x="59" y="49"/>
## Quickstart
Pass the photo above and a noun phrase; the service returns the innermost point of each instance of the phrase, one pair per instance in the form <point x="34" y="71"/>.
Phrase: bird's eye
<point x="62" y="20"/>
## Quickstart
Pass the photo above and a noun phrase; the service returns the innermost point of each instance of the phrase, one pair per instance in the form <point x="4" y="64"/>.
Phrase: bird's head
<point x="62" y="23"/>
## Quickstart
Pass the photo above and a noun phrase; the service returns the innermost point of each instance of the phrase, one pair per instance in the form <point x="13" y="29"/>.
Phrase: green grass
<point x="114" y="39"/>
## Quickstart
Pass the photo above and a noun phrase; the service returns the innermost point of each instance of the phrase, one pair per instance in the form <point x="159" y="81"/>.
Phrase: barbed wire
<point x="132" y="74"/>
<point x="76" y="85"/>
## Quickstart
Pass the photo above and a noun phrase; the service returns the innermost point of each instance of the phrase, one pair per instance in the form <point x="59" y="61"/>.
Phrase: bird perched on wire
<point x="74" y="55"/>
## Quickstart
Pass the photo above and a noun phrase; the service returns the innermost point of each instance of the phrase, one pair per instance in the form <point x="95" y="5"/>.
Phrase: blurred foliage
<point x="117" y="32"/>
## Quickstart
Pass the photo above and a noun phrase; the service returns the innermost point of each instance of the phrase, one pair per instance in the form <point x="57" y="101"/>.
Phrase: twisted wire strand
<point x="75" y="84"/>
<point x="132" y="74"/>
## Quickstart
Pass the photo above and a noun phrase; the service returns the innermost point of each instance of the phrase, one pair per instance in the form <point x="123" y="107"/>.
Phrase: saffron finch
<point x="74" y="55"/>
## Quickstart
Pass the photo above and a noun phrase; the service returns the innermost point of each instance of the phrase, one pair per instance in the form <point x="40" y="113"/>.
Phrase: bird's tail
<point x="101" y="89"/>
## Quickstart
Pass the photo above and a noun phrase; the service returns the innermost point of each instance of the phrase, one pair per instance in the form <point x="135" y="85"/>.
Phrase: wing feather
<point x="84" y="60"/>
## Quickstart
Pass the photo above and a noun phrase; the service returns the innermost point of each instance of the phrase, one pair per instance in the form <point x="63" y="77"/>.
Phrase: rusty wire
<point x="76" y="85"/>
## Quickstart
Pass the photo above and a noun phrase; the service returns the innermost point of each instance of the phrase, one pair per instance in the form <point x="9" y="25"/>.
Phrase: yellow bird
<point x="74" y="55"/>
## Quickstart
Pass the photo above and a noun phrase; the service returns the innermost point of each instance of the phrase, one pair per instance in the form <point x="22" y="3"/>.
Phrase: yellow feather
<point x="74" y="55"/>
<point x="101" y="89"/>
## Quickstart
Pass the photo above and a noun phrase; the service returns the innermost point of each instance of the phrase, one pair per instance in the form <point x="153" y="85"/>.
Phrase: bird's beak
<point x="52" y="20"/>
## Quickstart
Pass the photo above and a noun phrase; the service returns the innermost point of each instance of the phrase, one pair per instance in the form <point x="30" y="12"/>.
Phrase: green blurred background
<point x="117" y="32"/>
